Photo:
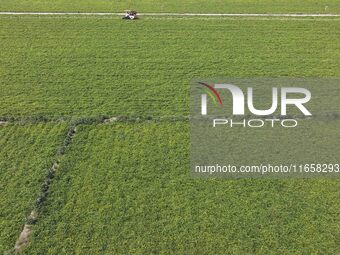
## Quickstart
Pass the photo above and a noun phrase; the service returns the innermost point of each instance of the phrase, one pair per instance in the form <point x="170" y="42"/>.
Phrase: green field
<point x="125" y="187"/>
<point x="26" y="154"/>
<point x="81" y="67"/>
<point x="180" y="6"/>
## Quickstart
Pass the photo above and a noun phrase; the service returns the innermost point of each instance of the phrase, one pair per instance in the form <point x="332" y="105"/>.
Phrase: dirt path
<point x="179" y="14"/>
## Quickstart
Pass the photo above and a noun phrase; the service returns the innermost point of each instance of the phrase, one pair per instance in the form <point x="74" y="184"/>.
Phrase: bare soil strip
<point x="3" y="123"/>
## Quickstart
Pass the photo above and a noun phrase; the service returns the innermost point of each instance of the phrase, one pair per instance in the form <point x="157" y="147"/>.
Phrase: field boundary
<point x="103" y="119"/>
<point x="165" y="14"/>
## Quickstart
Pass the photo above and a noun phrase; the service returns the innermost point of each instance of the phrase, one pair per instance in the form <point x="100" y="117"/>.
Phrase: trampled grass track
<point x="26" y="153"/>
<point x="28" y="162"/>
<point x="22" y="201"/>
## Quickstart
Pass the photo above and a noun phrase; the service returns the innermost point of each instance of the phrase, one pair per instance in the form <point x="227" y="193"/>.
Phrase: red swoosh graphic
<point x="213" y="90"/>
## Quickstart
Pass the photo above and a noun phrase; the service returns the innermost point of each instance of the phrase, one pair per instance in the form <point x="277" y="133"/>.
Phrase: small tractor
<point x="130" y="15"/>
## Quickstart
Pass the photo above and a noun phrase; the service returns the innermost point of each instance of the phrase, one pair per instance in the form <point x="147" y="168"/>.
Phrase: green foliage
<point x="26" y="152"/>
<point x="126" y="189"/>
<point x="85" y="67"/>
<point x="181" y="6"/>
